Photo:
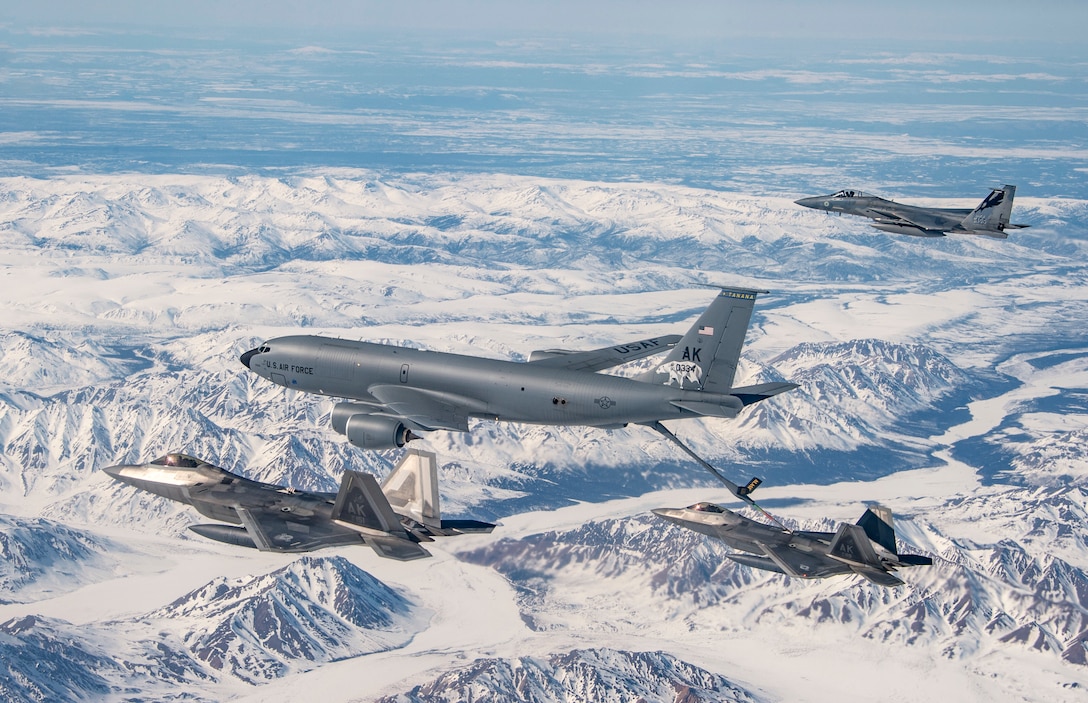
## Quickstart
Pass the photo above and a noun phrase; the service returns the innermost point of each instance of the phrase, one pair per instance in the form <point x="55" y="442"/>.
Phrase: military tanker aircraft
<point x="990" y="218"/>
<point x="397" y="393"/>
<point x="867" y="548"/>
<point x="392" y="519"/>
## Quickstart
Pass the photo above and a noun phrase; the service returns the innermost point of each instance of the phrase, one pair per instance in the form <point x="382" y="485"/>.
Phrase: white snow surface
<point x="946" y="379"/>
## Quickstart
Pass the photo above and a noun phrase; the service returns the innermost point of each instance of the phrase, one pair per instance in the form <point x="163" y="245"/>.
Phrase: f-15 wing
<point x="599" y="359"/>
<point x="921" y="220"/>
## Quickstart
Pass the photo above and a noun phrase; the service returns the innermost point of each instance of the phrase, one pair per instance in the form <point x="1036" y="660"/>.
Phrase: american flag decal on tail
<point x="706" y="329"/>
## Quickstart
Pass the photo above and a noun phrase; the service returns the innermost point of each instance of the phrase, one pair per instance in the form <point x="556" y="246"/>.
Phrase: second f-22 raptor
<point x="392" y="518"/>
<point x="867" y="548"/>
<point x="990" y="218"/>
<point x="397" y="393"/>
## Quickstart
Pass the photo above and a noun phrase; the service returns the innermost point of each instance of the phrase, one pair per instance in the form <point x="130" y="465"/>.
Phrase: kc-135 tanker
<point x="398" y="393"/>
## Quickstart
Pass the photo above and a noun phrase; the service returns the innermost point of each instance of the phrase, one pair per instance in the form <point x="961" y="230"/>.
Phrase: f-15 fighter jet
<point x="867" y="548"/>
<point x="990" y="218"/>
<point x="392" y="519"/>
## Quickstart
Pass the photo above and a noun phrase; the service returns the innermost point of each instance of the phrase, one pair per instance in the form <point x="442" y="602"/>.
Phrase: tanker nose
<point x="244" y="358"/>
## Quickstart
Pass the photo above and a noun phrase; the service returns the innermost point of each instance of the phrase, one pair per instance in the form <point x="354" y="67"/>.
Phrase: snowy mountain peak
<point x="314" y="610"/>
<point x="578" y="676"/>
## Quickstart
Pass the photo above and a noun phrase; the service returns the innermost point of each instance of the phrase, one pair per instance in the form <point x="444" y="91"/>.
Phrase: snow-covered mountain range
<point x="944" y="378"/>
<point x="310" y="612"/>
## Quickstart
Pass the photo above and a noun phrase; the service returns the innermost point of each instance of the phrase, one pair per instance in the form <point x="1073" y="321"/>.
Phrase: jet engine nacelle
<point x="368" y="431"/>
<point x="342" y="411"/>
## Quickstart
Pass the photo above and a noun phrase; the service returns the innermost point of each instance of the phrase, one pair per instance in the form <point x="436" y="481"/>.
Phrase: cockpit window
<point x="706" y="508"/>
<point x="182" y="461"/>
<point x="849" y="194"/>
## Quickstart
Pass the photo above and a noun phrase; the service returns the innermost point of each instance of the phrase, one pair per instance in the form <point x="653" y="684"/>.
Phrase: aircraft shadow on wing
<point x="990" y="218"/>
<point x="393" y="518"/>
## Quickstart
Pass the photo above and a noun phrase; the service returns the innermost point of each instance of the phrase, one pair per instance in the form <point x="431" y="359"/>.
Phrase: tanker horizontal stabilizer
<point x="753" y="394"/>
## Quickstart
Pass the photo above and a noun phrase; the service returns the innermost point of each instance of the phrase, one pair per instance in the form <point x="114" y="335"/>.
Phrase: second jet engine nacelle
<point x="342" y="411"/>
<point x="368" y="431"/>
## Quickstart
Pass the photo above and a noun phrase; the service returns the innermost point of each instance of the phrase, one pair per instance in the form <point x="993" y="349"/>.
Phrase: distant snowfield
<point x="944" y="378"/>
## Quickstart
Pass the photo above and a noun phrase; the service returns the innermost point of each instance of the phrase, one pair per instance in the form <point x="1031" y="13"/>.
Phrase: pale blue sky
<point x="964" y="20"/>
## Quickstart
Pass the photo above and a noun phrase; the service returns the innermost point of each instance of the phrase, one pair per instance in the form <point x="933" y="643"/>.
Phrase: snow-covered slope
<point x="252" y="630"/>
<point x="313" y="611"/>
<point x="579" y="676"/>
<point x="43" y="559"/>
<point x="977" y="598"/>
<point x="942" y="377"/>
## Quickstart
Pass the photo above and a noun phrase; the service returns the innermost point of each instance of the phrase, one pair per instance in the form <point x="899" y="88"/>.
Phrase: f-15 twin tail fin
<point x="992" y="215"/>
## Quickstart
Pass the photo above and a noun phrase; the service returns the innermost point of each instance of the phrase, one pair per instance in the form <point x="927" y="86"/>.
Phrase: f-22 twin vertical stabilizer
<point x="867" y="548"/>
<point x="393" y="518"/>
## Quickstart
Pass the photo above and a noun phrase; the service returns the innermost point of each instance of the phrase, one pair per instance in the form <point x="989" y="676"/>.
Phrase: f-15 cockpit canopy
<point x="182" y="461"/>
<point x="707" y="508"/>
<point x="851" y="194"/>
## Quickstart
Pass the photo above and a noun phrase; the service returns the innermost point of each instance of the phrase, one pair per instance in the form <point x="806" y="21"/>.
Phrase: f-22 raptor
<point x="398" y="393"/>
<point x="867" y="548"/>
<point x="990" y="218"/>
<point x="392" y="519"/>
